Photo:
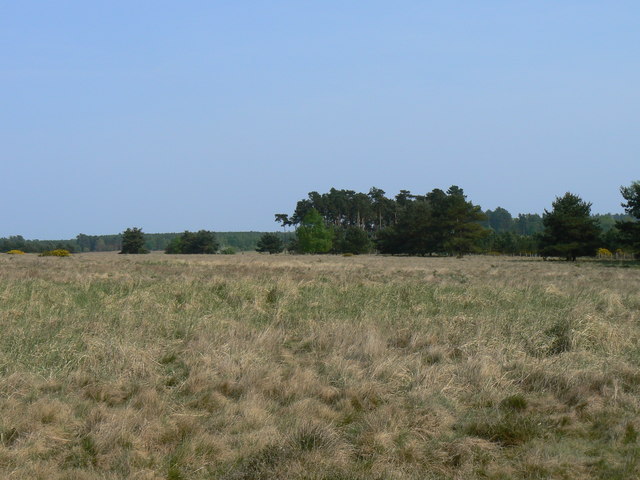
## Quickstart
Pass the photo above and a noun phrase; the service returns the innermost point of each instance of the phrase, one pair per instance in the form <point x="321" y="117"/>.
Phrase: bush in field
<point x="133" y="241"/>
<point x="228" y="251"/>
<point x="15" y="252"/>
<point x="271" y="243"/>
<point x="604" y="253"/>
<point x="59" y="252"/>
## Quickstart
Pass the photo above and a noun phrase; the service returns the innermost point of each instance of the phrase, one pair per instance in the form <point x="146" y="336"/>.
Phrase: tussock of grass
<point x="330" y="367"/>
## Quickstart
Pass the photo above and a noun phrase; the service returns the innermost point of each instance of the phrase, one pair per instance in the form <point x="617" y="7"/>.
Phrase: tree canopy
<point x="313" y="235"/>
<point x="630" y="230"/>
<point x="202" y="241"/>
<point x="439" y="222"/>
<point x="569" y="230"/>
<point x="133" y="241"/>
<point x="270" y="243"/>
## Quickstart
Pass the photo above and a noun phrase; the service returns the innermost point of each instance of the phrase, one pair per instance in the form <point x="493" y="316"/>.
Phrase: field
<point x="321" y="367"/>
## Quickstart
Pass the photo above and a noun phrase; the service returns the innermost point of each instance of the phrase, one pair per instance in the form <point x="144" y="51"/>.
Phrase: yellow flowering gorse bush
<point x="604" y="253"/>
<point x="56" y="253"/>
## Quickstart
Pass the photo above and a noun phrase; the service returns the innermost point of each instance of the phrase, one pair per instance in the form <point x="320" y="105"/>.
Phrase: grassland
<point x="259" y="367"/>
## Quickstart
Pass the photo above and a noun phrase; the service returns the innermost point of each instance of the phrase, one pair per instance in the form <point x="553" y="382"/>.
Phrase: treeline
<point x="241" y="241"/>
<point x="446" y="222"/>
<point x="526" y="224"/>
<point x="436" y="223"/>
<point x="17" y="242"/>
<point x="521" y="234"/>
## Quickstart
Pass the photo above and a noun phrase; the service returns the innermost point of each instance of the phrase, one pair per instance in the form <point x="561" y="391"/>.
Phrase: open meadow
<point x="320" y="367"/>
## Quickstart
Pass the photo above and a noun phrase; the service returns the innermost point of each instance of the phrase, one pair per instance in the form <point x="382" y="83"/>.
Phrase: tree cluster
<point x="346" y="208"/>
<point x="438" y="222"/>
<point x="202" y="241"/>
<point x="447" y="223"/>
<point x="501" y="221"/>
<point x="350" y="222"/>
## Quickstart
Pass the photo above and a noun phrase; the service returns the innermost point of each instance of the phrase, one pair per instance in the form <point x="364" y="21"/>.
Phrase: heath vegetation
<point x="59" y="252"/>
<point x="325" y="367"/>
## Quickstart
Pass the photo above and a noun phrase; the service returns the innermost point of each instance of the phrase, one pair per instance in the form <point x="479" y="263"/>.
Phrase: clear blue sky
<point x="217" y="114"/>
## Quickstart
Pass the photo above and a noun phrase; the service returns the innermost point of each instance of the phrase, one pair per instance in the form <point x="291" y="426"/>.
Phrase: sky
<point x="216" y="115"/>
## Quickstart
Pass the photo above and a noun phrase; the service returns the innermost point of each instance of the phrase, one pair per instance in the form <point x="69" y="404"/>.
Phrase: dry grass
<point x="262" y="367"/>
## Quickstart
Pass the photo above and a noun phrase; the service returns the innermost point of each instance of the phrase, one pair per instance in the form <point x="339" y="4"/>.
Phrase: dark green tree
<point x="271" y="243"/>
<point x="462" y="223"/>
<point x="416" y="229"/>
<point x="439" y="222"/>
<point x="503" y="242"/>
<point x="569" y="230"/>
<point x="414" y="232"/>
<point x="632" y="196"/>
<point x="133" y="241"/>
<point x="283" y="219"/>
<point x="174" y="246"/>
<point x="381" y="206"/>
<point x="352" y="240"/>
<point x="202" y="241"/>
<point x="313" y="236"/>
<point x="302" y="208"/>
<point x="630" y="230"/>
<point x="499" y="220"/>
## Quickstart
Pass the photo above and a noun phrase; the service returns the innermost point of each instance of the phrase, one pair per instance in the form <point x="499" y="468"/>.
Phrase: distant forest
<point x="242" y="241"/>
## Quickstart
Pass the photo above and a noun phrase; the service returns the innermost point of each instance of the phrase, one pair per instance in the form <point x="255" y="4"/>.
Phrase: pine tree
<point x="271" y="243"/>
<point x="630" y="230"/>
<point x="133" y="241"/>
<point x="569" y="230"/>
<point x="202" y="241"/>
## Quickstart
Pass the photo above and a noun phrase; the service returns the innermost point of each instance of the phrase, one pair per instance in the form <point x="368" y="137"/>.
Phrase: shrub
<point x="604" y="253"/>
<point x="508" y="429"/>
<point x="228" y="251"/>
<point x="60" y="252"/>
<point x="561" y="334"/>
<point x="271" y="243"/>
<point x="15" y="252"/>
<point x="514" y="402"/>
